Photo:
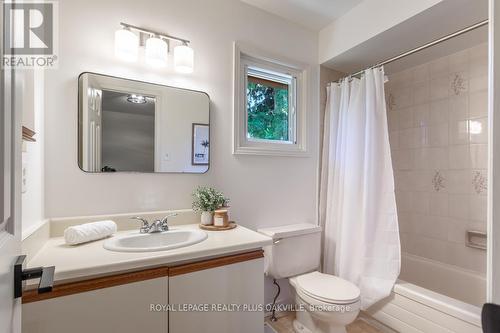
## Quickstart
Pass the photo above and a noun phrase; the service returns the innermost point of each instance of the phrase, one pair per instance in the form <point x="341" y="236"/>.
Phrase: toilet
<point x="325" y="303"/>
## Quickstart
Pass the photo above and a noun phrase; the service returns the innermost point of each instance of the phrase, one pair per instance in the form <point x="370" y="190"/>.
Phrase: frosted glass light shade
<point x="183" y="59"/>
<point x="156" y="52"/>
<point x="126" y="45"/>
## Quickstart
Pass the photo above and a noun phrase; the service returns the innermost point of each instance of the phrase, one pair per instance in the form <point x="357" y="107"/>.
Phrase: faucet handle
<point x="164" y="221"/>
<point x="145" y="223"/>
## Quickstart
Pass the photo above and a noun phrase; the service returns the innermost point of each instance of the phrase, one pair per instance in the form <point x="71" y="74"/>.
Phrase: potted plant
<point x="206" y="200"/>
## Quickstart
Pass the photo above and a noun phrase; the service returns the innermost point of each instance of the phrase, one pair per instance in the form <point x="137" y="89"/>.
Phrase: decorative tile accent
<point x="479" y="182"/>
<point x="391" y="101"/>
<point x="458" y="84"/>
<point x="438" y="181"/>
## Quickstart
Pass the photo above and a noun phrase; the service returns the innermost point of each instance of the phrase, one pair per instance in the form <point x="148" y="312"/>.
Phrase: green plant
<point x="208" y="199"/>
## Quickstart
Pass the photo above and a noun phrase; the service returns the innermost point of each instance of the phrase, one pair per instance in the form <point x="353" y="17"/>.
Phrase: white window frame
<point x="248" y="59"/>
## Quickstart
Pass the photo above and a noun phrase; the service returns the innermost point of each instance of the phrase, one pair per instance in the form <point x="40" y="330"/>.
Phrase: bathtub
<point x="416" y="308"/>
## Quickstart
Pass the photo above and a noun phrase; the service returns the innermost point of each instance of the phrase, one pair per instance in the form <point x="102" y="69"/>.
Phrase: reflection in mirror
<point x="128" y="132"/>
<point x="132" y="126"/>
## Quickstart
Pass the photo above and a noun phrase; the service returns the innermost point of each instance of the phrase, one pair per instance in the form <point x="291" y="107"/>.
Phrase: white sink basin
<point x="160" y="241"/>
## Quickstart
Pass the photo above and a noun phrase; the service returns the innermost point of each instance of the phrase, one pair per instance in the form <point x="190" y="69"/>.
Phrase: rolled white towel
<point x="89" y="231"/>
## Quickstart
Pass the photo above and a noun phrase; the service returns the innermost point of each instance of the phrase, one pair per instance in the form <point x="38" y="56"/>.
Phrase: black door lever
<point x="46" y="275"/>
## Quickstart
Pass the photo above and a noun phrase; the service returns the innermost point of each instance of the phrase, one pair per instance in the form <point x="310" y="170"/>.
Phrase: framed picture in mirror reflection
<point x="201" y="144"/>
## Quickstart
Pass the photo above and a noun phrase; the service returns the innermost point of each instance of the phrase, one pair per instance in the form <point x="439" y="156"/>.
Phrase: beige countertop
<point x="91" y="259"/>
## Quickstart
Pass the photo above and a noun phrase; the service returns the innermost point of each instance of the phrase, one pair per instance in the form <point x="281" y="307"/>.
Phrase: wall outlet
<point x="24" y="186"/>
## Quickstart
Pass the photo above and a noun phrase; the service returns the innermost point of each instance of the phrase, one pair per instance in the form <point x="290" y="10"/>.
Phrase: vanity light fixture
<point x="183" y="58"/>
<point x="157" y="45"/>
<point x="126" y="44"/>
<point x="156" y="51"/>
<point x="136" y="99"/>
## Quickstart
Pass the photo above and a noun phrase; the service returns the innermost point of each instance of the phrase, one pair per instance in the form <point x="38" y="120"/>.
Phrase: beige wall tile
<point x="440" y="151"/>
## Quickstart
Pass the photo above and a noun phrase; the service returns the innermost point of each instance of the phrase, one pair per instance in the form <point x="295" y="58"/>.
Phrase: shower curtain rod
<point x="420" y="48"/>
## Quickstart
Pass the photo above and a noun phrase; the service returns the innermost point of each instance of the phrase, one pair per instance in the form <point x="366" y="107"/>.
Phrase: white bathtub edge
<point x="413" y="309"/>
<point x="445" y="304"/>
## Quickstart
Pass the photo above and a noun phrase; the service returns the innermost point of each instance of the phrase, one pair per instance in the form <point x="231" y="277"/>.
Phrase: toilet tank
<point x="296" y="250"/>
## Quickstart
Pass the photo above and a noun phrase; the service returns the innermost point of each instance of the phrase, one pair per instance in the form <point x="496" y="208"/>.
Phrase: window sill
<point x="271" y="150"/>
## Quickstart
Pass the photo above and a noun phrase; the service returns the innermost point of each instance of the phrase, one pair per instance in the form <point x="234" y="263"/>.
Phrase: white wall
<point x="176" y="129"/>
<point x="33" y="153"/>
<point x="493" y="271"/>
<point x="366" y="20"/>
<point x="128" y="141"/>
<point x="263" y="190"/>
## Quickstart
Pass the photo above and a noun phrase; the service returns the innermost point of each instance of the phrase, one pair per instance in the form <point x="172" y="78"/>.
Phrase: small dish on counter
<point x="212" y="227"/>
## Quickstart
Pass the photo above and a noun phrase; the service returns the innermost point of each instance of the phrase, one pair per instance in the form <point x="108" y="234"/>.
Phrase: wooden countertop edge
<point x="72" y="288"/>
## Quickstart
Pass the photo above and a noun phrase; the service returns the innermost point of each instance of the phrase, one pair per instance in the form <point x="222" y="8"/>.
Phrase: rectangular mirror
<point x="133" y="126"/>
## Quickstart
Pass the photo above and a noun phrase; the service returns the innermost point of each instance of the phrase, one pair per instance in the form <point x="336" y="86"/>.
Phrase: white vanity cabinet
<point x="123" y="309"/>
<point x="123" y="302"/>
<point x="235" y="284"/>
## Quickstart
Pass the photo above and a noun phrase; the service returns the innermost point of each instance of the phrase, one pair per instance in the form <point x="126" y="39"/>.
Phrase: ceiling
<point x="312" y="14"/>
<point x="117" y="102"/>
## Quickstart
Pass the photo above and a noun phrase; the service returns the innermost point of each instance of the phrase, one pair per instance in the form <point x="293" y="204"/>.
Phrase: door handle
<point x="46" y="275"/>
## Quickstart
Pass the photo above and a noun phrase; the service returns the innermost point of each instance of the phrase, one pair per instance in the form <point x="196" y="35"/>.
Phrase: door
<point x="91" y="127"/>
<point x="10" y="198"/>
<point x="221" y="287"/>
<point x="125" y="309"/>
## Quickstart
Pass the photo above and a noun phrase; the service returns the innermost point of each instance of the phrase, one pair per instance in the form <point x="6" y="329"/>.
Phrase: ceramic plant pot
<point x="206" y="218"/>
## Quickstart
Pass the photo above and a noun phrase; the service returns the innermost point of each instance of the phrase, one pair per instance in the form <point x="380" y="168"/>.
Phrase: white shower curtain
<point x="357" y="200"/>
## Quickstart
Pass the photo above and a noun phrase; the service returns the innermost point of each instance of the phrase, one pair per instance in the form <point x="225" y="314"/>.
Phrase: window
<point x="270" y="106"/>
<point x="268" y="116"/>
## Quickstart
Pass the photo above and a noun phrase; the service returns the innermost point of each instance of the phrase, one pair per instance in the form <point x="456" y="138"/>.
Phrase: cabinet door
<point x="123" y="309"/>
<point x="240" y="283"/>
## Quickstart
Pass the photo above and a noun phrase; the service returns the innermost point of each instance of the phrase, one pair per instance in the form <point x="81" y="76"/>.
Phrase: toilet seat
<point x="326" y="289"/>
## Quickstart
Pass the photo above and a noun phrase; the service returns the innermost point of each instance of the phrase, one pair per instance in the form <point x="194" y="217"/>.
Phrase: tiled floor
<point x="284" y="325"/>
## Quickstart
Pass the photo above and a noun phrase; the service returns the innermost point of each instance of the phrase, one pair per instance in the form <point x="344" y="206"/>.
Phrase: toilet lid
<point x="328" y="288"/>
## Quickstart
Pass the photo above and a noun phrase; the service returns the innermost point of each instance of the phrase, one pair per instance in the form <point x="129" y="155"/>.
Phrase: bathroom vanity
<point x="177" y="279"/>
<point x="189" y="289"/>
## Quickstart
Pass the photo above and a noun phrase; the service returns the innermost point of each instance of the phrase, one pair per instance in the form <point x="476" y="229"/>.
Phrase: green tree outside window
<point x="267" y="112"/>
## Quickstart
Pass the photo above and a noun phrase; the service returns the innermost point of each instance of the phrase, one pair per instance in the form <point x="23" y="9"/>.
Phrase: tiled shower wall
<point x="437" y="114"/>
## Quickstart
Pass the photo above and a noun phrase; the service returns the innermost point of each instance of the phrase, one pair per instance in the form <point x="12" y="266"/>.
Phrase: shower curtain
<point x="357" y="200"/>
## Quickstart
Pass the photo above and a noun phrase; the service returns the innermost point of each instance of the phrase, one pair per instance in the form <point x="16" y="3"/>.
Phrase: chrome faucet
<point x="154" y="227"/>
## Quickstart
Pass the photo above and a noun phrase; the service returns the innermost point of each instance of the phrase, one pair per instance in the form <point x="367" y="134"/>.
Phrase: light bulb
<point x="156" y="52"/>
<point x="136" y="99"/>
<point x="126" y="45"/>
<point x="183" y="59"/>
